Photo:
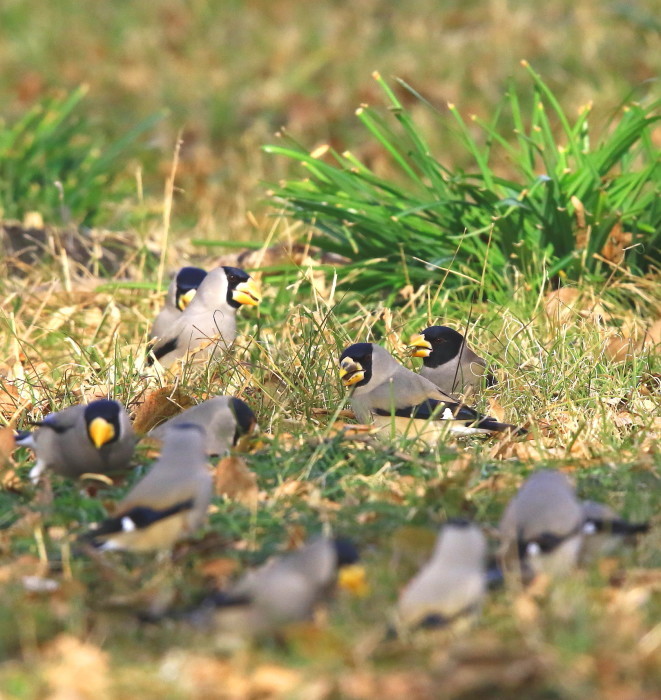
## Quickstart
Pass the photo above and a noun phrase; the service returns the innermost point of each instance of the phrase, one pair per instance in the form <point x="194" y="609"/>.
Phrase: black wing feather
<point x="434" y="409"/>
<point x="141" y="516"/>
<point x="161" y="350"/>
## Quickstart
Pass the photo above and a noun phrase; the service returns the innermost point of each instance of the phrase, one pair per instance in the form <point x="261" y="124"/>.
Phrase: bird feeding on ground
<point x="402" y="402"/>
<point x="169" y="503"/>
<point x="181" y="291"/>
<point x="448" y="362"/>
<point x="94" y="438"/>
<point x="208" y="323"/>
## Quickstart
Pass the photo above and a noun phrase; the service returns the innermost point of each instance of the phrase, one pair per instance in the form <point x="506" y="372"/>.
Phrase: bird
<point x="209" y="321"/>
<point x="88" y="438"/>
<point x="451" y="586"/>
<point x="167" y="504"/>
<point x="448" y="362"/>
<point x="604" y="531"/>
<point x="224" y="418"/>
<point x="181" y="291"/>
<point x="396" y="398"/>
<point x="284" y="590"/>
<point x="541" y="531"/>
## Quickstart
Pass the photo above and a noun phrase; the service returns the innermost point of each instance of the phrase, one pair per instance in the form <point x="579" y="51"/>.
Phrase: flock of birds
<point x="545" y="530"/>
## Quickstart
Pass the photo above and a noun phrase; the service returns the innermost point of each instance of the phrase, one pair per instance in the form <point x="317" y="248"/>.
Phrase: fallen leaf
<point x="616" y="244"/>
<point x="561" y="304"/>
<point x="496" y="410"/>
<point x="582" y="230"/>
<point x="159" y="405"/>
<point x="236" y="481"/>
<point x="75" y="670"/>
<point x="220" y="569"/>
<point x="269" y="680"/>
<point x="10" y="399"/>
<point x="7" y="445"/>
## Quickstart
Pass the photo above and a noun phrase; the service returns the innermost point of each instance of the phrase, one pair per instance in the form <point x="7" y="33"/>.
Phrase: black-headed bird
<point x="399" y="400"/>
<point x="448" y="362"/>
<point x="181" y="291"/>
<point x="94" y="438"/>
<point x="167" y="504"/>
<point x="209" y="321"/>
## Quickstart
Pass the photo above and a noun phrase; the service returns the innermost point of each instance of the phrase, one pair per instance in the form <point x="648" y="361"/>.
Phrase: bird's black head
<point x="187" y="281"/>
<point x="235" y="277"/>
<point x="346" y="552"/>
<point x="245" y="418"/>
<point x="459" y="522"/>
<point x="445" y="345"/>
<point x="102" y="422"/>
<point x="356" y="364"/>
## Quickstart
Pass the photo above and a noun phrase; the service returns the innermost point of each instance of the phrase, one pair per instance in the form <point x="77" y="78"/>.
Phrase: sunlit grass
<point x="588" y="415"/>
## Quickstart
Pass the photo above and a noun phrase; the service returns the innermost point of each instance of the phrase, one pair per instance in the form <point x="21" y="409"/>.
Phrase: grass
<point x="590" y="416"/>
<point x="577" y="365"/>
<point x="51" y="164"/>
<point x="574" y="207"/>
<point x="232" y="74"/>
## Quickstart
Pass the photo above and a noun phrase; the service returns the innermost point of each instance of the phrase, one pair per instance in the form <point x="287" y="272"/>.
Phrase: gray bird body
<point x="63" y="442"/>
<point x="284" y="590"/>
<point x="390" y="394"/>
<point x="207" y="325"/>
<point x="169" y="314"/>
<point x="541" y="530"/>
<point x="224" y="419"/>
<point x="453" y="583"/>
<point x="169" y="503"/>
<point x="604" y="531"/>
<point x="448" y="362"/>
<point x="181" y="291"/>
<point x="460" y="375"/>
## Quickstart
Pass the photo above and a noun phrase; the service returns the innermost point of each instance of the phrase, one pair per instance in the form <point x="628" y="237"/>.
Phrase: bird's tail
<point x="24" y="438"/>
<point x="497" y="427"/>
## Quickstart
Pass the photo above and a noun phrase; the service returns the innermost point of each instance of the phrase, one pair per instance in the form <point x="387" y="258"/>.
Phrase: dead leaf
<point x="159" y="405"/>
<point x="76" y="670"/>
<point x="653" y="334"/>
<point x="10" y="399"/>
<point x="496" y="410"/>
<point x="582" y="230"/>
<point x="236" y="481"/>
<point x="615" y="247"/>
<point x="7" y="445"/>
<point x="292" y="488"/>
<point x="561" y="304"/>
<point x="269" y="680"/>
<point x="220" y="570"/>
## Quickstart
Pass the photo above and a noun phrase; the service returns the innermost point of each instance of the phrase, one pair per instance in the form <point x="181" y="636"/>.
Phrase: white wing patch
<point x="127" y="524"/>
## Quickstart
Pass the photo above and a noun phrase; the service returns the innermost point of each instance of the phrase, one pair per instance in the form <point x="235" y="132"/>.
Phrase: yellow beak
<point x="351" y="372"/>
<point x="100" y="432"/>
<point x="419" y="347"/>
<point x="353" y="579"/>
<point x="248" y="293"/>
<point x="185" y="299"/>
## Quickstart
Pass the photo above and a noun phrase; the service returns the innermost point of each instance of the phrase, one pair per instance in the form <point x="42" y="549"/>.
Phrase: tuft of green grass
<point x="576" y="205"/>
<point x="53" y="162"/>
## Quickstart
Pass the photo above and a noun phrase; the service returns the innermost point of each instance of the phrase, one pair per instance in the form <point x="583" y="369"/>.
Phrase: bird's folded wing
<point x="618" y="526"/>
<point x="547" y="541"/>
<point x="138" y="518"/>
<point x="58" y="422"/>
<point x="431" y="408"/>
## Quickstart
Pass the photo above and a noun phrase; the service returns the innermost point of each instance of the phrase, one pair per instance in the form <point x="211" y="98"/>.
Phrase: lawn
<point x="571" y="332"/>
